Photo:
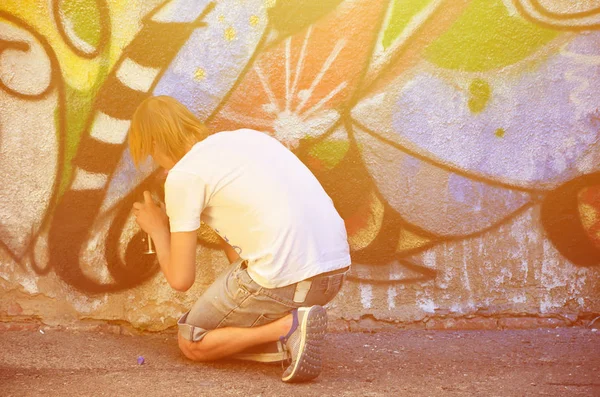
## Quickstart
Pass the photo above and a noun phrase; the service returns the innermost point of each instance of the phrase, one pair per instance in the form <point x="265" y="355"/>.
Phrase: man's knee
<point x="192" y="350"/>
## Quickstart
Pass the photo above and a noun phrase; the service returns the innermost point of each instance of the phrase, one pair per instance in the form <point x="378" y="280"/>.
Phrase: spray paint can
<point x="150" y="246"/>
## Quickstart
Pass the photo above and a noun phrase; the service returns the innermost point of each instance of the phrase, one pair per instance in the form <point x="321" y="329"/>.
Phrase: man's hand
<point x="176" y="252"/>
<point x="150" y="217"/>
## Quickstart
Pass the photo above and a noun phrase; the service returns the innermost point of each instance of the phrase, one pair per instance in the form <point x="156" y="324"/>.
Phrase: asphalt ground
<point x="540" y="362"/>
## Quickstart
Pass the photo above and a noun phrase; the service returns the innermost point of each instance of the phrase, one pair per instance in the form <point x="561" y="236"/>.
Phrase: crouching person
<point x="286" y="242"/>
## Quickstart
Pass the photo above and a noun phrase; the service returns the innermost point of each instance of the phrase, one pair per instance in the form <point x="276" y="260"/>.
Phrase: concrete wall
<point x="458" y="139"/>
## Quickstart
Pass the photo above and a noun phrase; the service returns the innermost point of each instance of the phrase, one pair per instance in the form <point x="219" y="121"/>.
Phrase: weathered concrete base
<point x="367" y="324"/>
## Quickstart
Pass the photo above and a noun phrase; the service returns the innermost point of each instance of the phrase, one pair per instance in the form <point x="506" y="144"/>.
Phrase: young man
<point x="287" y="242"/>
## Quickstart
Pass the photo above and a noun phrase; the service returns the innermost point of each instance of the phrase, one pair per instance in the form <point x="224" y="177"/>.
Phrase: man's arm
<point x="176" y="252"/>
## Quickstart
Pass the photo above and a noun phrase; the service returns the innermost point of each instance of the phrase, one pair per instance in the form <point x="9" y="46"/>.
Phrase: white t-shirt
<point x="263" y="201"/>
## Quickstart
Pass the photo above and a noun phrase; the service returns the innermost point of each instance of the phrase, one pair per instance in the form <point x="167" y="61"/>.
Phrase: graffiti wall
<point x="458" y="139"/>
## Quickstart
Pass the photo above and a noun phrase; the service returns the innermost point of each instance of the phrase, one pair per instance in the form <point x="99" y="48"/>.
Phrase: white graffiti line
<point x="583" y="85"/>
<point x="70" y="31"/>
<point x="287" y="73"/>
<point x="300" y="64"/>
<point x="267" y="88"/>
<point x="562" y="16"/>
<point x="136" y="76"/>
<point x="391" y="297"/>
<point x="366" y="295"/>
<point x="108" y="129"/>
<point x="583" y="60"/>
<point x="339" y="46"/>
<point x="416" y="22"/>
<point x="243" y="119"/>
<point x="466" y="259"/>
<point x="586" y="59"/>
<point x="510" y="7"/>
<point x="180" y="11"/>
<point x="323" y="101"/>
<point x="412" y="27"/>
<point x="85" y="180"/>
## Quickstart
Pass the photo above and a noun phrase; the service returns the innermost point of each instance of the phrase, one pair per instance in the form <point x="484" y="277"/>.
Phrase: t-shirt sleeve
<point x="185" y="194"/>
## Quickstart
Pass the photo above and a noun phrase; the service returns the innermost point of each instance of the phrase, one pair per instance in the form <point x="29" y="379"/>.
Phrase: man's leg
<point x="225" y="321"/>
<point x="224" y="342"/>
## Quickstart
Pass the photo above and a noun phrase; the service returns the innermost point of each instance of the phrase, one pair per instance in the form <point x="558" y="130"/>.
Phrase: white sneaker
<point x="305" y="343"/>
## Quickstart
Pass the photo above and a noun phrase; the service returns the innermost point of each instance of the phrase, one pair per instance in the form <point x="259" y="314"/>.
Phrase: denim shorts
<point x="235" y="300"/>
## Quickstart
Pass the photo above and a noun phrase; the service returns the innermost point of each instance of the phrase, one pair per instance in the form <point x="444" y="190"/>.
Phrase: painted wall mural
<point x="439" y="128"/>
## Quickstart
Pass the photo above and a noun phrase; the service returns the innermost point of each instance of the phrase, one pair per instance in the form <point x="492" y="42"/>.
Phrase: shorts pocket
<point x="324" y="292"/>
<point x="273" y="296"/>
<point x="245" y="281"/>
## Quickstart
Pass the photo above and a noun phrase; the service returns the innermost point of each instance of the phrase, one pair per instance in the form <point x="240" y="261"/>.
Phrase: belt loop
<point x="302" y="289"/>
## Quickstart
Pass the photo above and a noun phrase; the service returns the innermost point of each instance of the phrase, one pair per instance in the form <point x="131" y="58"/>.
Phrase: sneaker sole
<point x="266" y="353"/>
<point x="262" y="357"/>
<point x="309" y="363"/>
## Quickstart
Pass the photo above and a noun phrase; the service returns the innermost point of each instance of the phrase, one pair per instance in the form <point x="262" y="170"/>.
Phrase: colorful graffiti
<point x="427" y="121"/>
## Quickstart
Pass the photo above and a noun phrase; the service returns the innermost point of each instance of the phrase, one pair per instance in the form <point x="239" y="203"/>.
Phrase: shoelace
<point x="284" y="339"/>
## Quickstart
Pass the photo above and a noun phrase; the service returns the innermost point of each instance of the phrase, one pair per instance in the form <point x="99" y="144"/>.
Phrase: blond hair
<point x="162" y="123"/>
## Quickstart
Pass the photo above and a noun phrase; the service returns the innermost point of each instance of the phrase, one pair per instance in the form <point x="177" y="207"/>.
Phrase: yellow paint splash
<point x="365" y="236"/>
<point x="254" y="20"/>
<point x="230" y="34"/>
<point x="208" y="235"/>
<point x="480" y="95"/>
<point x="588" y="214"/>
<point x="199" y="74"/>
<point x="410" y="241"/>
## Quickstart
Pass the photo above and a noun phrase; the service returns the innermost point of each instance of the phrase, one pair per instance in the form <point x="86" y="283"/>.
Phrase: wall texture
<point x="458" y="139"/>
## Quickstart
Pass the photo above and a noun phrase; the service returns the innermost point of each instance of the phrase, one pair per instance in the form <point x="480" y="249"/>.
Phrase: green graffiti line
<point x="290" y="17"/>
<point x="83" y="17"/>
<point x="330" y="152"/>
<point x="83" y="25"/>
<point x="486" y="37"/>
<point x="402" y="12"/>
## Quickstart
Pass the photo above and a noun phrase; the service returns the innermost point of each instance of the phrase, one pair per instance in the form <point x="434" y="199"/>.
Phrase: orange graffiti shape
<point x="293" y="89"/>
